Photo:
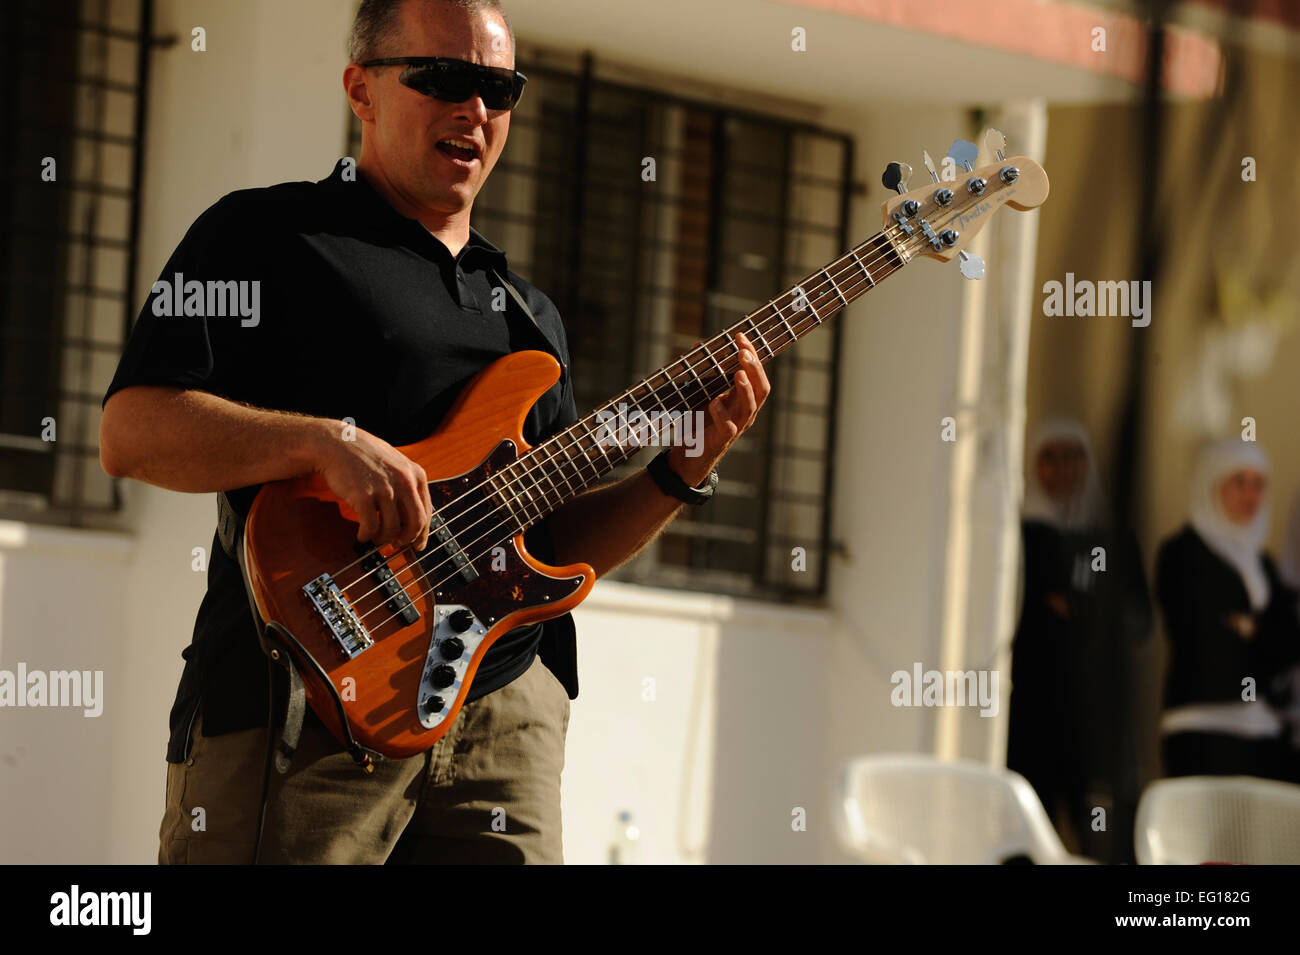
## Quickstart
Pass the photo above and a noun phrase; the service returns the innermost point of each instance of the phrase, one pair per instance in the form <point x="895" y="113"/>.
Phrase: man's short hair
<point x="376" y="26"/>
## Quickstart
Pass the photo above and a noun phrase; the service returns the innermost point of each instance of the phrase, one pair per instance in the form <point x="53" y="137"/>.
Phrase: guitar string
<point x="670" y="379"/>
<point x="548" y="458"/>
<point x="920" y="243"/>
<point x="541" y="457"/>
<point x="491" y="535"/>
<point x="543" y="454"/>
<point x="778" y="319"/>
<point x="805" y="327"/>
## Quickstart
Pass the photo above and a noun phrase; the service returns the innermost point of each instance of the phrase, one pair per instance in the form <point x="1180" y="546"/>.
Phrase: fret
<point x="671" y="424"/>
<point x="664" y="413"/>
<point x="598" y="446"/>
<point x="826" y="272"/>
<point x="649" y="395"/>
<point x="871" y="283"/>
<point x="807" y="301"/>
<point x="654" y="394"/>
<point x="672" y="380"/>
<point x="504" y="500"/>
<point x="781" y="315"/>
<point x="816" y="317"/>
<point x="633" y="435"/>
<point x="759" y="336"/>
<point x="577" y="457"/>
<point x="544" y="468"/>
<point x="564" y="459"/>
<point x="522" y="494"/>
<point x="721" y="371"/>
<point x="902" y="256"/>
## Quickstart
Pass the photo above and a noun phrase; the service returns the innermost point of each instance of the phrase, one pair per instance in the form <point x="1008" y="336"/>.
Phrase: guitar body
<point x="380" y="647"/>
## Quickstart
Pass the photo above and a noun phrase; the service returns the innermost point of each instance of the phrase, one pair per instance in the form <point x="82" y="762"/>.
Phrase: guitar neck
<point x="565" y="465"/>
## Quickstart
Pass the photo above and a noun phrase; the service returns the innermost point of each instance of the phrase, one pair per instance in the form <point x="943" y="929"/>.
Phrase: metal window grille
<point x="741" y="206"/>
<point x="77" y="71"/>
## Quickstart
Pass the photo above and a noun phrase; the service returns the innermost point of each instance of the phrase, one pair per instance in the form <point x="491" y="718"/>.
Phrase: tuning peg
<point x="896" y="176"/>
<point x="929" y="165"/>
<point x="972" y="266"/>
<point x="963" y="152"/>
<point x="995" y="142"/>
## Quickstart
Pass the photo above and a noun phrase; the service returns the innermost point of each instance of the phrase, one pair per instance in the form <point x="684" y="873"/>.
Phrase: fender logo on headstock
<point x="978" y="211"/>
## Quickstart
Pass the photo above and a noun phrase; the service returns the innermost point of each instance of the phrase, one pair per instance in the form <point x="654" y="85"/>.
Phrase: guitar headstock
<point x="940" y="218"/>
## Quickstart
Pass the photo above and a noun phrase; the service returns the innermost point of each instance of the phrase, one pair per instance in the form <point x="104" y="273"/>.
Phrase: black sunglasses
<point x="457" y="80"/>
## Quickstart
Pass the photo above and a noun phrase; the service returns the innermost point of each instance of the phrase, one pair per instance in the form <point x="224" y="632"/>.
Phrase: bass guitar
<point x="387" y="641"/>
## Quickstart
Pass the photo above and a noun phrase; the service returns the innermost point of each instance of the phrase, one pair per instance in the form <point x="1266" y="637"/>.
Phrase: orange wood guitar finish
<point x="297" y="530"/>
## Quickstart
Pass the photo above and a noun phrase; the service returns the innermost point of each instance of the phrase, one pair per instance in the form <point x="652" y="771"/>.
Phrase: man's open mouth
<point x="461" y="149"/>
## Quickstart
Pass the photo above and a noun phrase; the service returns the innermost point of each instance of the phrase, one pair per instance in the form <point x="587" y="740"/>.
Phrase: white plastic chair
<point x="1190" y="820"/>
<point x="915" y="809"/>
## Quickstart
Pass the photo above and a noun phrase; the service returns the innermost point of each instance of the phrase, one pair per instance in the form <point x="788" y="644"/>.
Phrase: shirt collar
<point x="376" y="211"/>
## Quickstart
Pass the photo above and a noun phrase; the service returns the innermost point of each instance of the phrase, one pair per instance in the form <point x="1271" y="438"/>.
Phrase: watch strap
<point x="672" y="484"/>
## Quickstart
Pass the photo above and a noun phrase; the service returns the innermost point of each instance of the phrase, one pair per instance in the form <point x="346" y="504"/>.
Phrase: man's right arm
<point x="194" y="441"/>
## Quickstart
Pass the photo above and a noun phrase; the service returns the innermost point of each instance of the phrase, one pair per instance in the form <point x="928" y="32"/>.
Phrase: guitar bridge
<point x="338" y="616"/>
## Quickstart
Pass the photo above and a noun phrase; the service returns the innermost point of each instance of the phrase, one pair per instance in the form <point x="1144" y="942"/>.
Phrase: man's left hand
<point x="728" y="417"/>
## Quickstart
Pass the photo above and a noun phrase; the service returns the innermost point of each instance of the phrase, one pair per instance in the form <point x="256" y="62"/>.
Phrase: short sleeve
<point x="206" y="322"/>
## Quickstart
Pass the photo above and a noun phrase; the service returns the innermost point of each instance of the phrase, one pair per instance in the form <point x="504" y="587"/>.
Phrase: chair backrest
<point x="1190" y="820"/>
<point x="912" y="808"/>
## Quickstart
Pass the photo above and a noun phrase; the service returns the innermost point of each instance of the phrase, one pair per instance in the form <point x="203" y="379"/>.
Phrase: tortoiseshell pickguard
<point x="505" y="583"/>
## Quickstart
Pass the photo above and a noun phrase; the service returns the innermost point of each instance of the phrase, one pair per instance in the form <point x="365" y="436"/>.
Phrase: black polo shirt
<point x="361" y="313"/>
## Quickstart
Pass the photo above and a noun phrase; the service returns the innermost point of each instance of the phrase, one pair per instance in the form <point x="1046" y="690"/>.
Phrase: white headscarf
<point x="1085" y="507"/>
<point x="1241" y="545"/>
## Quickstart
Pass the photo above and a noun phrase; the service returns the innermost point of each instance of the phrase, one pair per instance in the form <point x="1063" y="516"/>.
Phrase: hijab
<point x="1082" y="509"/>
<point x="1241" y="545"/>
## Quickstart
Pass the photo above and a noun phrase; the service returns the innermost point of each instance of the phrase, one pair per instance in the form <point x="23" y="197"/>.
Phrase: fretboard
<point x="563" y="466"/>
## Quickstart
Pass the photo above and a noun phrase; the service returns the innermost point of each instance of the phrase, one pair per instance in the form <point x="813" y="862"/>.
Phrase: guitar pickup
<point x="399" y="602"/>
<point x="450" y="548"/>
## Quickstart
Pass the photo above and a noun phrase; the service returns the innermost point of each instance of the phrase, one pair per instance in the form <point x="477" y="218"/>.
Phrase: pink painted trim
<point x="1055" y="32"/>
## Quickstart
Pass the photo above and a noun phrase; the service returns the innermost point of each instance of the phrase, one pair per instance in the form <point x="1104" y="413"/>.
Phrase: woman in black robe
<point x="1231" y="624"/>
<point x="1288" y="685"/>
<point x="1084" y="614"/>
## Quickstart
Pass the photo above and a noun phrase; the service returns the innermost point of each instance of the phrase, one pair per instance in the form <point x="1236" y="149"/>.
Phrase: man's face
<point x="411" y="130"/>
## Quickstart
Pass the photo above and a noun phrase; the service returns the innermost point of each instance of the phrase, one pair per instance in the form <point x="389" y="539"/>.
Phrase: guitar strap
<point x="230" y="531"/>
<point x="513" y="292"/>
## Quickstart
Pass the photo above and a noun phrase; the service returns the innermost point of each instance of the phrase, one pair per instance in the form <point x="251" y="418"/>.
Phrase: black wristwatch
<point x="671" y="483"/>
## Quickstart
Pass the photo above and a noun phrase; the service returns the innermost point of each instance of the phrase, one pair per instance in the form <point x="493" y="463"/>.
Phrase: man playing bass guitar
<point x="372" y="306"/>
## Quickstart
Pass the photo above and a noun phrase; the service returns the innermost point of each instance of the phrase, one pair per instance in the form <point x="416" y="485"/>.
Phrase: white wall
<point x="61" y="608"/>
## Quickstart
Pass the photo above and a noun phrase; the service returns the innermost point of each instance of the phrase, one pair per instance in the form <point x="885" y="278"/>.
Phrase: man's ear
<point x="358" y="92"/>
